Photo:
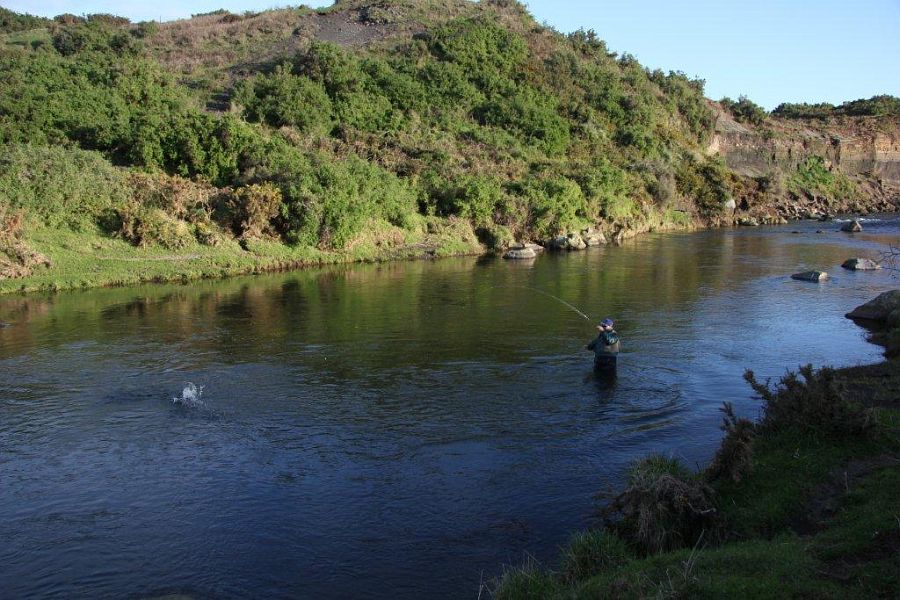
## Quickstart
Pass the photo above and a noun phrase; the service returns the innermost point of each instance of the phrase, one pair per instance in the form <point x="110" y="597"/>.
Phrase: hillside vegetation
<point x="366" y="130"/>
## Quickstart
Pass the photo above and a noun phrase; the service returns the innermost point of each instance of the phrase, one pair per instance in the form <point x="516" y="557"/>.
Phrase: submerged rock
<point x="748" y="222"/>
<point x="861" y="264"/>
<point x="814" y="276"/>
<point x="878" y="309"/>
<point x="853" y="226"/>
<point x="520" y="254"/>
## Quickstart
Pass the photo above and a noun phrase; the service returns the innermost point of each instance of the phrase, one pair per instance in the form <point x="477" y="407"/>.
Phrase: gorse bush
<point x="734" y="458"/>
<point x="811" y="401"/>
<point x="334" y="200"/>
<point x="282" y="98"/>
<point x="744" y="110"/>
<point x="253" y="208"/>
<point x="876" y="106"/>
<point x="60" y="187"/>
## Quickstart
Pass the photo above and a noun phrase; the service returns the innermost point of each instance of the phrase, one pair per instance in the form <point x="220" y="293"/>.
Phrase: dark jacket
<point x="606" y="344"/>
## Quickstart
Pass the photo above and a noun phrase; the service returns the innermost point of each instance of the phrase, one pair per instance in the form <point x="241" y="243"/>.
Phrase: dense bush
<point x="705" y="183"/>
<point x="744" y="110"/>
<point x="531" y="115"/>
<point x="11" y="21"/>
<point x="253" y="207"/>
<point x="876" y="106"/>
<point x="282" y="98"/>
<point x="329" y="205"/>
<point x="60" y="187"/>
<point x="811" y="401"/>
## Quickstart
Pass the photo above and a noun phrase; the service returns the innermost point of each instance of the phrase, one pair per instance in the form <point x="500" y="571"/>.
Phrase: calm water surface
<point x="389" y="431"/>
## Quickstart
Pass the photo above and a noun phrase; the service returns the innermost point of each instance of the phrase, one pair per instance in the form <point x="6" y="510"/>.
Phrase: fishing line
<point x="549" y="295"/>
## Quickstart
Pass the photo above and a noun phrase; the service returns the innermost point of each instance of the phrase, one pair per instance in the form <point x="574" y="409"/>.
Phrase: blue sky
<point x="770" y="50"/>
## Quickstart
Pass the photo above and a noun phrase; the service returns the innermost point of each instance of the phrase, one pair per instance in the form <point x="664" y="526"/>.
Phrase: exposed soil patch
<point x="347" y="29"/>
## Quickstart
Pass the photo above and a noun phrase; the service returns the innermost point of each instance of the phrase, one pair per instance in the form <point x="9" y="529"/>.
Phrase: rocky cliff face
<point x="864" y="149"/>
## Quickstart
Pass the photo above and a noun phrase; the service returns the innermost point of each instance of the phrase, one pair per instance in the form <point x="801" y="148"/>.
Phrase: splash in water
<point x="190" y="396"/>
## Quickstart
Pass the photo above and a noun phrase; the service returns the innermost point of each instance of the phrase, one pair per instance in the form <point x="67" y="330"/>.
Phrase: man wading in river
<point x="605" y="347"/>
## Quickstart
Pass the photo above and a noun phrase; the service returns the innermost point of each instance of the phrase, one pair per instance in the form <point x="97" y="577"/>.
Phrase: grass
<point x="90" y="259"/>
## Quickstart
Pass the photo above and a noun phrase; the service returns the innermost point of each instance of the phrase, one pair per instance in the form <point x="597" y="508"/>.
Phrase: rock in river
<point x="815" y="276"/>
<point x="861" y="264"/>
<point x="520" y="254"/>
<point x="853" y="226"/>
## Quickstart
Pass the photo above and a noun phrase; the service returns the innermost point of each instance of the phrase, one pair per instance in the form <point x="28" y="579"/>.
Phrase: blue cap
<point x="607" y="322"/>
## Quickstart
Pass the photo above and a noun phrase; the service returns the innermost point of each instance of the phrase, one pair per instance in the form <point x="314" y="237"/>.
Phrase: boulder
<point x="877" y="309"/>
<point x="853" y="226"/>
<point x="520" y="254"/>
<point x="537" y="248"/>
<point x="861" y="264"/>
<point x="560" y="242"/>
<point x="814" y="276"/>
<point x="576" y="242"/>
<point x="593" y="237"/>
<point x="748" y="222"/>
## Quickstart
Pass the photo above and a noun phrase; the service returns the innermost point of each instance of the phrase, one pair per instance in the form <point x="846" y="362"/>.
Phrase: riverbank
<point x="802" y="503"/>
<point x="89" y="260"/>
<point x="69" y="259"/>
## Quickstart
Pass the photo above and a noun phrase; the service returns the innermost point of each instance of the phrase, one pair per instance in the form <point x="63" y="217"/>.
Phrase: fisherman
<point x="605" y="346"/>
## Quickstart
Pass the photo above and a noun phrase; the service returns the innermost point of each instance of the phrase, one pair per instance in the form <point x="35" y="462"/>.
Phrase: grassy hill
<point x="367" y="130"/>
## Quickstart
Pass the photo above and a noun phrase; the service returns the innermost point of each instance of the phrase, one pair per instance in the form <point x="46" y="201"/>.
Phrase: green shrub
<point x="356" y="98"/>
<point x="484" y="49"/>
<point x="557" y="205"/>
<point x="744" y="110"/>
<point x="61" y="187"/>
<point x="734" y="458"/>
<point x="282" y="98"/>
<point x="706" y="183"/>
<point x="531" y="115"/>
<point x="329" y="206"/>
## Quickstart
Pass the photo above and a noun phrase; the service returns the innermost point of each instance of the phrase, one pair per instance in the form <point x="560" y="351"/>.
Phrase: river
<point x="396" y="430"/>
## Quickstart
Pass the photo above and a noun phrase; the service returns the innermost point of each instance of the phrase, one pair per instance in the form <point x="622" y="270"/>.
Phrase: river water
<point x="385" y="431"/>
